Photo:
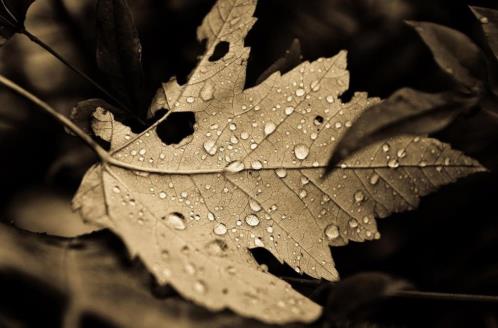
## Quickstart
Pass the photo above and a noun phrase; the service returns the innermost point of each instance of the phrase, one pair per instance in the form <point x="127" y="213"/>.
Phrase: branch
<point x="101" y="152"/>
<point x="413" y="294"/>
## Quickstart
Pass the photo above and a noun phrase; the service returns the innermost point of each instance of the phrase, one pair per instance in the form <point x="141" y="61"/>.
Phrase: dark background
<point x="448" y="244"/>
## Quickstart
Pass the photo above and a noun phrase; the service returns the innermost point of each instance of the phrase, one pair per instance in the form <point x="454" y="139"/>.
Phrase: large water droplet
<point x="252" y="220"/>
<point x="176" y="220"/>
<point x="234" y="167"/>
<point x="331" y="232"/>
<point x="269" y="128"/>
<point x="301" y="151"/>
<point x="210" y="147"/>
<point x="220" y="229"/>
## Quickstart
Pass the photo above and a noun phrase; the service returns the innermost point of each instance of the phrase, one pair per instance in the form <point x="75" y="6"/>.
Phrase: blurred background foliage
<point x="448" y="244"/>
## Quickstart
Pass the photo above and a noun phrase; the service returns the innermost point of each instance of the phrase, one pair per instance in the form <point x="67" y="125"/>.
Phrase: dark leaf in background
<point x="489" y="23"/>
<point x="89" y="277"/>
<point x="455" y="53"/>
<point x="291" y="59"/>
<point x="489" y="20"/>
<point x="12" y="16"/>
<point x="407" y="111"/>
<point x="119" y="52"/>
<point x="355" y="297"/>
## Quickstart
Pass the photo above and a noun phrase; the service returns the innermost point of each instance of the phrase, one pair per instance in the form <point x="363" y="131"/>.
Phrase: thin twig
<point x="413" y="294"/>
<point x="54" y="53"/>
<point x="101" y="152"/>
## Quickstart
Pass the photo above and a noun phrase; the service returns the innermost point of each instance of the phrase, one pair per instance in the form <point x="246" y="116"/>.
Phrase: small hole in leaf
<point x="220" y="51"/>
<point x="318" y="120"/>
<point x="176" y="127"/>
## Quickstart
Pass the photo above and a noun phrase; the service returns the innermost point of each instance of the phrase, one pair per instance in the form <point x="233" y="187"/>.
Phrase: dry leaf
<point x="251" y="176"/>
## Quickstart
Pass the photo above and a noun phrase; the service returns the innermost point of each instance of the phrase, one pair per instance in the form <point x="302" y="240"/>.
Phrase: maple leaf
<point x="252" y="175"/>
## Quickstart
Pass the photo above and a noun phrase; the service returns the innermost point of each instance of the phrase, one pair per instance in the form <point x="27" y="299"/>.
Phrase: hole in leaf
<point x="220" y="51"/>
<point x="318" y="119"/>
<point x="176" y="127"/>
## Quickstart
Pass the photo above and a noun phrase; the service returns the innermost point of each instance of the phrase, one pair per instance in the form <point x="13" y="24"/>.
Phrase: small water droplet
<point x="207" y="92"/>
<point x="254" y="205"/>
<point x="258" y="242"/>
<point x="301" y="151"/>
<point x="252" y="220"/>
<point x="300" y="92"/>
<point x="162" y="195"/>
<point x="393" y="163"/>
<point x="289" y="110"/>
<point x="331" y="232"/>
<point x="256" y="165"/>
<point x="374" y="178"/>
<point x="401" y="153"/>
<point x="269" y="128"/>
<point x="234" y="167"/>
<point x="216" y="247"/>
<point x="176" y="220"/>
<point x="359" y="196"/>
<point x="385" y="148"/>
<point x="315" y="85"/>
<point x="281" y="173"/>
<point x="353" y="223"/>
<point x="190" y="100"/>
<point x="210" y="147"/>
<point x="210" y="216"/>
<point x="200" y="287"/>
<point x="330" y="99"/>
<point x="484" y="20"/>
<point x="303" y="193"/>
<point x="116" y="189"/>
<point x="220" y="229"/>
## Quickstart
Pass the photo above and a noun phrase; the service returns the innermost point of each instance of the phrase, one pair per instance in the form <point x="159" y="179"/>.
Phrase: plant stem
<point x="101" y="152"/>
<point x="43" y="45"/>
<point x="413" y="294"/>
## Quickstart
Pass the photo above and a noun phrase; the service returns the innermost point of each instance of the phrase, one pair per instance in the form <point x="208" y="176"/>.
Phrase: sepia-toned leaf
<point x="119" y="52"/>
<point x="252" y="175"/>
<point x="407" y="111"/>
<point x="12" y="16"/>
<point x="92" y="278"/>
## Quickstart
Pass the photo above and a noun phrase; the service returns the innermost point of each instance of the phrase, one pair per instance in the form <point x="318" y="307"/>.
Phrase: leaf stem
<point x="413" y="294"/>
<point x="54" y="53"/>
<point x="101" y="152"/>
